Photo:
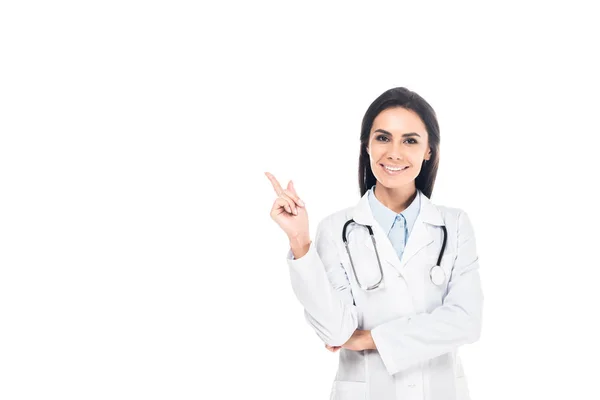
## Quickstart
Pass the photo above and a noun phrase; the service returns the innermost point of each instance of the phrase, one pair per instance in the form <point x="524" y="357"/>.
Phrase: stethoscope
<point x="436" y="273"/>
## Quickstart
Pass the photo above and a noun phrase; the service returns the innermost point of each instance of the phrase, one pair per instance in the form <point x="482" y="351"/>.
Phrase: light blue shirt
<point x="396" y="226"/>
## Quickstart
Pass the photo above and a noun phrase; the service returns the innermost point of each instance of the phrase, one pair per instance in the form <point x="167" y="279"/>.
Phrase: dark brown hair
<point x="401" y="97"/>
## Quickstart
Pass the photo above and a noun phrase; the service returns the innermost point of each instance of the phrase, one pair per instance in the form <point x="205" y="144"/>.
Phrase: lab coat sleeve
<point x="406" y="341"/>
<point x="320" y="283"/>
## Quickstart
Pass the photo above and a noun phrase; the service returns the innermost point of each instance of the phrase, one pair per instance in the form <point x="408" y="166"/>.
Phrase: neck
<point x="396" y="199"/>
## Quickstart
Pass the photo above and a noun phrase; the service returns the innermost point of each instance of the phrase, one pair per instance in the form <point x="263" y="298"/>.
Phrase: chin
<point x="395" y="182"/>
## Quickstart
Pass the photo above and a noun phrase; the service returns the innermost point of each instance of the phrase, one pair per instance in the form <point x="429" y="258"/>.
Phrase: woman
<point x="397" y="306"/>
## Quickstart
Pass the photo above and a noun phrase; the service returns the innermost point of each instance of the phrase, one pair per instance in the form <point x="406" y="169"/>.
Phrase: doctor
<point x="393" y="282"/>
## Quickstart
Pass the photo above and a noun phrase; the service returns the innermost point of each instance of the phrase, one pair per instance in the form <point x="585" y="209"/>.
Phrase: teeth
<point x="393" y="169"/>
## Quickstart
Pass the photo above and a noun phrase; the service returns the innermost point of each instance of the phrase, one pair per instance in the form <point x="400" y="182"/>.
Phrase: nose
<point x="395" y="155"/>
<point x="395" y="152"/>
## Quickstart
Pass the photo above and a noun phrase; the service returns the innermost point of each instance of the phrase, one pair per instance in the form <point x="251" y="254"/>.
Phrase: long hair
<point x="401" y="97"/>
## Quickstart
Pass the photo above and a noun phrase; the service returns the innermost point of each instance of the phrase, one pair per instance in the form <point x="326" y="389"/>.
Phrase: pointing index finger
<point x="276" y="186"/>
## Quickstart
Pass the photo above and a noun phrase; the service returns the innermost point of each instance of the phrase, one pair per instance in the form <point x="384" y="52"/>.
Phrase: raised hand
<point x="289" y="210"/>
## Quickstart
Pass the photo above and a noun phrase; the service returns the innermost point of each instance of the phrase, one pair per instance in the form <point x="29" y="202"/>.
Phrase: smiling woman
<point x="376" y="283"/>
<point x="399" y="130"/>
<point x="411" y="148"/>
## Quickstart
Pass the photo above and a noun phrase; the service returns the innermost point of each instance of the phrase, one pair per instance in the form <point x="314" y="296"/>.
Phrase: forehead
<point x="399" y="120"/>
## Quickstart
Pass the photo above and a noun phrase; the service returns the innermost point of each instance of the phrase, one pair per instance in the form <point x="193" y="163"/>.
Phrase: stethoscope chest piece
<point x="437" y="275"/>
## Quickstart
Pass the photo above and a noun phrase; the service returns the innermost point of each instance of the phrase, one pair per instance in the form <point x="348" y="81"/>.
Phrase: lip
<point x="393" y="172"/>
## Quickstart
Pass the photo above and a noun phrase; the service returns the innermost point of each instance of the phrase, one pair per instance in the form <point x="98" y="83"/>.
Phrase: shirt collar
<point x="386" y="217"/>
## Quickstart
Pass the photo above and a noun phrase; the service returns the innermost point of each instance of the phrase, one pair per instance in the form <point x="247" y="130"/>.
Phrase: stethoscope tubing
<point x="440" y="275"/>
<point x="376" y="285"/>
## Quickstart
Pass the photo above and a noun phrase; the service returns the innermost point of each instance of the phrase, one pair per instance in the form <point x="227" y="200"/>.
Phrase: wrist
<point x="369" y="342"/>
<point x="299" y="240"/>
<point x="300" y="246"/>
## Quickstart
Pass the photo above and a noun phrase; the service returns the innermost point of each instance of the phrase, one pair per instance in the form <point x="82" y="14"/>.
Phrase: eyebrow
<point x="403" y="135"/>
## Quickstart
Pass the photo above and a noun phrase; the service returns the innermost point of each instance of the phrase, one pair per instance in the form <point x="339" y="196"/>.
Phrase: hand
<point x="289" y="211"/>
<point x="332" y="349"/>
<point x="360" y="340"/>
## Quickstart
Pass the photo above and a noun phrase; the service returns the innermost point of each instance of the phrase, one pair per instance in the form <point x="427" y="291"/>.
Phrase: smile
<point x="393" y="170"/>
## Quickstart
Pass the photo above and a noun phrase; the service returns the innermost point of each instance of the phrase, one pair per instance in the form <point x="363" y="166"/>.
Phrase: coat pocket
<point x="348" y="390"/>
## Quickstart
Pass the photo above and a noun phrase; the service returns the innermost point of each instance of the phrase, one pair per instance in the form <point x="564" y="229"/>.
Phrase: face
<point x="398" y="139"/>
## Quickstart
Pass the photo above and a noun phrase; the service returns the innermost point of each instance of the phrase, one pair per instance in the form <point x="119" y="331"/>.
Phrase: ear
<point x="428" y="156"/>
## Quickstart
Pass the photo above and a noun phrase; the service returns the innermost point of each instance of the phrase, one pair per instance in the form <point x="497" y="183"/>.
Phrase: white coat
<point x="417" y="326"/>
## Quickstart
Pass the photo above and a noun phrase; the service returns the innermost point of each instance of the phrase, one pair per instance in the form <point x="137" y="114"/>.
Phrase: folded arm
<point x="406" y="341"/>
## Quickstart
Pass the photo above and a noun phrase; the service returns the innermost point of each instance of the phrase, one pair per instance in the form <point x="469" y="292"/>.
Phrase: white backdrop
<point x="138" y="259"/>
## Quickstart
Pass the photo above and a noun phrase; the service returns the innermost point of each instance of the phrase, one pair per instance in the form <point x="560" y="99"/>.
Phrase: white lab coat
<point x="416" y="326"/>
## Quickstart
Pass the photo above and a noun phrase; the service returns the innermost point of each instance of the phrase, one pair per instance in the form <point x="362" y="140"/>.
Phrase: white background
<point x="138" y="259"/>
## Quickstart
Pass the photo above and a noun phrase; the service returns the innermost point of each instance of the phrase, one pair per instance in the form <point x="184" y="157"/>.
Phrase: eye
<point x="384" y="138"/>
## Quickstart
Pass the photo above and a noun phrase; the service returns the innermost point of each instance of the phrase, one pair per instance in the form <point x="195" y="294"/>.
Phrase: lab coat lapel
<point x="422" y="232"/>
<point x="420" y="236"/>
<point x="362" y="215"/>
